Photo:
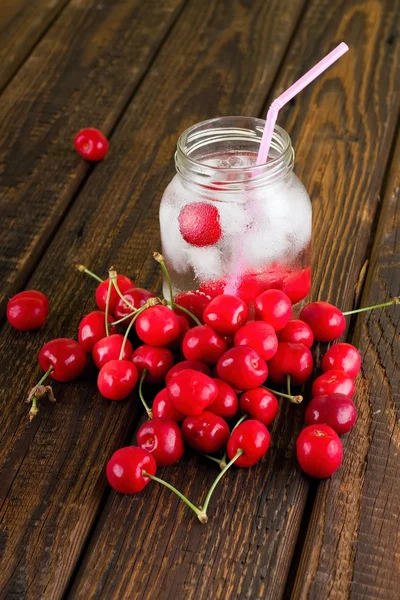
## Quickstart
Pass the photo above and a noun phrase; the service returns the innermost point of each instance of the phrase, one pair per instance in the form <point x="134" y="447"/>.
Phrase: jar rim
<point x="254" y="170"/>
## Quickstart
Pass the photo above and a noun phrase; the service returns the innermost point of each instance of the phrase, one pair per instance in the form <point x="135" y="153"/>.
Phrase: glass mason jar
<point x="230" y="226"/>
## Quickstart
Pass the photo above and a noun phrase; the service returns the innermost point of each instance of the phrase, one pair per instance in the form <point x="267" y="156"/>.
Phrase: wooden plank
<point x="53" y="471"/>
<point x="151" y="546"/>
<point x="22" y="24"/>
<point x="351" y="550"/>
<point x="83" y="72"/>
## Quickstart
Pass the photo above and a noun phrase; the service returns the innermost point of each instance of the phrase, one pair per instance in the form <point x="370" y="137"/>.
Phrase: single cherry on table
<point x="124" y="284"/>
<point x="91" y="144"/>
<point x="65" y="357"/>
<point x="157" y="326"/>
<point x="27" y="310"/>
<point x="319" y="451"/>
<point x="133" y="299"/>
<point x="326" y="321"/>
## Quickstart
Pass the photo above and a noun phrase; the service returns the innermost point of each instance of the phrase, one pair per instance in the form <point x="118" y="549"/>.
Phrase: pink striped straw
<point x="290" y="93"/>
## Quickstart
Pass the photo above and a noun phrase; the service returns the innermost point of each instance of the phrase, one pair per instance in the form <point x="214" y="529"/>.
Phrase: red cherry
<point x="27" y="310"/>
<point x="91" y="144"/>
<point x="319" y="451"/>
<point x="291" y="359"/>
<point x="195" y="365"/>
<point x="206" y="432"/>
<point x="157" y="361"/>
<point x="116" y="379"/>
<point x="326" y="321"/>
<point x="242" y="367"/>
<point x="333" y="382"/>
<point x="253" y="438"/>
<point x="335" y="410"/>
<point x="92" y="329"/>
<point x="202" y="343"/>
<point x="66" y="356"/>
<point x="297" y="332"/>
<point x="226" y="403"/>
<point x="124" y="284"/>
<point x="260" y="404"/>
<point x="342" y="357"/>
<point x="157" y="326"/>
<point x="125" y="469"/>
<point x="109" y="348"/>
<point x="163" y="439"/>
<point x="199" y="224"/>
<point x="260" y="336"/>
<point x="226" y="314"/>
<point x="137" y="297"/>
<point x="191" y="391"/>
<point x="297" y="285"/>
<point x="195" y="301"/>
<point x="164" y="409"/>
<point x="273" y="307"/>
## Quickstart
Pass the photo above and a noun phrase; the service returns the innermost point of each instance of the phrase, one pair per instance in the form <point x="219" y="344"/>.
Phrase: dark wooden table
<point x="143" y="71"/>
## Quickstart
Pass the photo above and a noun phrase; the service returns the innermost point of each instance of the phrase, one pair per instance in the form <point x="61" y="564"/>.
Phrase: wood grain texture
<point x="22" y="24"/>
<point x="351" y="550"/>
<point x="82" y="73"/>
<point x="151" y="546"/>
<point x="53" y="471"/>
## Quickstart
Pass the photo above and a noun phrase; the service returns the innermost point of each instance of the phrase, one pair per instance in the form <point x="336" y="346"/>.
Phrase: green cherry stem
<point x="222" y="462"/>
<point x="125" y="300"/>
<point x="200" y="514"/>
<point x="395" y="300"/>
<point x="146" y="406"/>
<point x="217" y="480"/>
<point x="150" y="302"/>
<point x="160" y="259"/>
<point x="289" y="391"/>
<point x="112" y="275"/>
<point x="84" y="269"/>
<point x="213" y="458"/>
<point x="294" y="399"/>
<point x="185" y="310"/>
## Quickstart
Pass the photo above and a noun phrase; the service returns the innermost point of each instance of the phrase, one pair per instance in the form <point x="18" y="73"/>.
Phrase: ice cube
<point x="206" y="262"/>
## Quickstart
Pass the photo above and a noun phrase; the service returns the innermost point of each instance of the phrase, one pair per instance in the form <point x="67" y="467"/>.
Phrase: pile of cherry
<point x="214" y="363"/>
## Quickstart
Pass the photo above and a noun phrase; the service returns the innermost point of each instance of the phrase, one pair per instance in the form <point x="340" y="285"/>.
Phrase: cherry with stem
<point x="200" y="513"/>
<point x="112" y="274"/>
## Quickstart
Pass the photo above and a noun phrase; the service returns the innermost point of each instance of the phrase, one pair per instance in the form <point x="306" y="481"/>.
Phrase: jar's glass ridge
<point x="263" y="212"/>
